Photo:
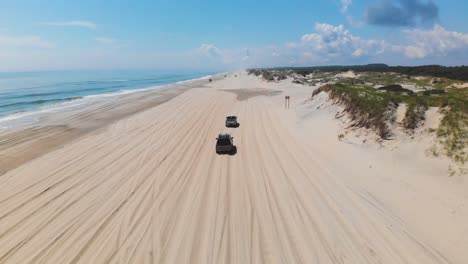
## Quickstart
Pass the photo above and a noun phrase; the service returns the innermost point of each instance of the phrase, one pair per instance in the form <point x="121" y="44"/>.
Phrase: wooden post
<point x="286" y="102"/>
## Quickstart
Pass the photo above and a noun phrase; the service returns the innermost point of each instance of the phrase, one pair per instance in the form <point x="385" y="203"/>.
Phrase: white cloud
<point x="85" y="24"/>
<point x="354" y="22"/>
<point x="345" y="4"/>
<point x="24" y="41"/>
<point x="358" y="52"/>
<point x="328" y="36"/>
<point x="210" y="51"/>
<point x="326" y="44"/>
<point x="291" y="45"/>
<point x="414" y="52"/>
<point x="335" y="44"/>
<point x="331" y="41"/>
<point x="436" y="42"/>
<point x="104" y="40"/>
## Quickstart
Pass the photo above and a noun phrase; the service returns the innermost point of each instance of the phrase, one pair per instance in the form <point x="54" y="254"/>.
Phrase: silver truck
<point x="231" y="121"/>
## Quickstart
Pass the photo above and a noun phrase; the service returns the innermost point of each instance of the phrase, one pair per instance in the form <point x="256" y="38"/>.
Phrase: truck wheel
<point x="234" y="150"/>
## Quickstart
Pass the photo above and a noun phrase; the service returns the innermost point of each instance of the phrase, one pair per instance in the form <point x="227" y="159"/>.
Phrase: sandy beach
<point x="137" y="180"/>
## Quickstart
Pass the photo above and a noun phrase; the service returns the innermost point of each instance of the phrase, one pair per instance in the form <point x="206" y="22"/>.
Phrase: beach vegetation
<point x="444" y="74"/>
<point x="367" y="107"/>
<point x="372" y="97"/>
<point x="374" y="109"/>
<point x="341" y="136"/>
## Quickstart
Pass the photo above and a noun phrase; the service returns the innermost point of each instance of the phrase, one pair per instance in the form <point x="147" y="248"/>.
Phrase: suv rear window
<point x="224" y="142"/>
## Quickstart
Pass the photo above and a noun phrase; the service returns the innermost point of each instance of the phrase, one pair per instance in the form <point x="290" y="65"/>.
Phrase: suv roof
<point x="224" y="136"/>
<point x="231" y="117"/>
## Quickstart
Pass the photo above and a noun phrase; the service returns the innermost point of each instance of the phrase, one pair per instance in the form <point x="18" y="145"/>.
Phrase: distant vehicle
<point x="231" y="121"/>
<point x="211" y="80"/>
<point x="225" y="144"/>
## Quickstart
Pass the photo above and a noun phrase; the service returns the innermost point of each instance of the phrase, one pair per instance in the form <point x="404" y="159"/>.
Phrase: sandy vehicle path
<point x="151" y="189"/>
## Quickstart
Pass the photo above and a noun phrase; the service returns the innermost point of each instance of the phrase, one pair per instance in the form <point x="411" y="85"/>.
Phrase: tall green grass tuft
<point x="366" y="107"/>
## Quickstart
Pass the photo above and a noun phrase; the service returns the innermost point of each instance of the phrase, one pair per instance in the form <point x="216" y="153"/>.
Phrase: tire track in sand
<point x="150" y="189"/>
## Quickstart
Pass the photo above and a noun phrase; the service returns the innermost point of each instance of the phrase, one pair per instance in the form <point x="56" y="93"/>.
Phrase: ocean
<point x="26" y="96"/>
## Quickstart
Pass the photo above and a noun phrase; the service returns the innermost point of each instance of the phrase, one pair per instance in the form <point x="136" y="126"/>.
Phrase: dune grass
<point x="366" y="106"/>
<point x="374" y="109"/>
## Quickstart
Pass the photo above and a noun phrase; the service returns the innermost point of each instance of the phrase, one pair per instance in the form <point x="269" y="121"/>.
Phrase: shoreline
<point x="32" y="116"/>
<point x="21" y="144"/>
<point x="151" y="184"/>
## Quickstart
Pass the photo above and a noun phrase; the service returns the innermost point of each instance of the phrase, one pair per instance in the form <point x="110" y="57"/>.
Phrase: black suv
<point x="225" y="145"/>
<point x="231" y="121"/>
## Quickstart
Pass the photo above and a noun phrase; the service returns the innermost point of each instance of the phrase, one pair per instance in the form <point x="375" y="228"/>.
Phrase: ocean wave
<point x="33" y="95"/>
<point x="39" y="102"/>
<point x="27" y="117"/>
<point x="119" y="93"/>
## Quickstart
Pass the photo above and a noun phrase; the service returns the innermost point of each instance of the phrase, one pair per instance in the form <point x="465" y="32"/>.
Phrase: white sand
<point x="150" y="189"/>
<point x="461" y="85"/>
<point x="348" y="74"/>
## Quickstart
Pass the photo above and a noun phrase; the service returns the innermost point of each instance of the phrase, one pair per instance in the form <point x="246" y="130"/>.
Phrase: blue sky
<point x="224" y="35"/>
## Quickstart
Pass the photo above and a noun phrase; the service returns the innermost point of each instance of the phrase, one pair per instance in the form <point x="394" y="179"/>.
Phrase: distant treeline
<point x="454" y="73"/>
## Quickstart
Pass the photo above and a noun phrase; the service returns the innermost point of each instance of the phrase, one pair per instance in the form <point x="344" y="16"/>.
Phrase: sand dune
<point x="151" y="189"/>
